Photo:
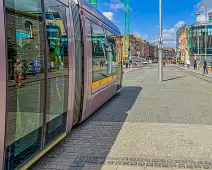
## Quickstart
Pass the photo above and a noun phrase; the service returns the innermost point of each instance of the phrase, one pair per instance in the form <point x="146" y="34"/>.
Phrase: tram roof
<point x="93" y="11"/>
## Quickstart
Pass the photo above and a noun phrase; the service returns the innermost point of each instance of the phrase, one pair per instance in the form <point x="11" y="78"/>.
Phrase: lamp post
<point x="206" y="20"/>
<point x="198" y="14"/>
<point x="205" y="6"/>
<point x="161" y="46"/>
<point x="138" y="56"/>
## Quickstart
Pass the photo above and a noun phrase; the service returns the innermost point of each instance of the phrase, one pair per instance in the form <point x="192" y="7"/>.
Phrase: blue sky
<point x="145" y="16"/>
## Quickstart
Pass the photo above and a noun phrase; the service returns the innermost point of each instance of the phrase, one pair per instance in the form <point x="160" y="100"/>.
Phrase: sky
<point x="145" y="17"/>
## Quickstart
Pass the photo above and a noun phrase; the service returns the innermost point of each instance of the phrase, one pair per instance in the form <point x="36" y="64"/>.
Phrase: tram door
<point x="120" y="65"/>
<point x="78" y="97"/>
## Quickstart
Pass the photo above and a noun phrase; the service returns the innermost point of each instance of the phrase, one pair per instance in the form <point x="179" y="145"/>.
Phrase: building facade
<point x="191" y="42"/>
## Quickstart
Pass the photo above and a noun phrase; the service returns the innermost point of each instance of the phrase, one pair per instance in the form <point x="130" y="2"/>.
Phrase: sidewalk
<point x="149" y="125"/>
<point x="126" y="70"/>
<point x="199" y="71"/>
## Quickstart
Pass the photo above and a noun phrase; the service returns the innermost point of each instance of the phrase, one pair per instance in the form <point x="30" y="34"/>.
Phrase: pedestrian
<point x="126" y="64"/>
<point x="195" y="64"/>
<point x="211" y="65"/>
<point x="18" y="72"/>
<point x="205" y="67"/>
<point x="130" y="63"/>
<point x="188" y="64"/>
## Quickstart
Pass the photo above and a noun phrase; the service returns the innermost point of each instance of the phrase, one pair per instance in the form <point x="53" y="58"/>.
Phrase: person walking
<point x="130" y="63"/>
<point x="126" y="64"/>
<point x="195" y="64"/>
<point x="205" y="67"/>
<point x="188" y="64"/>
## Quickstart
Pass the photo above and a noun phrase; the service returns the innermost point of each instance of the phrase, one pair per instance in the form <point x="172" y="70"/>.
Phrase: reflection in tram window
<point x="111" y="52"/>
<point x="57" y="53"/>
<point x="25" y="91"/>
<point x="100" y="69"/>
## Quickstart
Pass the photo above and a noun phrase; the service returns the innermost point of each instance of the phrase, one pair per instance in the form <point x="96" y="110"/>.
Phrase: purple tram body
<point x="60" y="61"/>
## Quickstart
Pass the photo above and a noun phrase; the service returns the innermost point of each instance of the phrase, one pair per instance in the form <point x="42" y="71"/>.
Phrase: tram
<point x="60" y="61"/>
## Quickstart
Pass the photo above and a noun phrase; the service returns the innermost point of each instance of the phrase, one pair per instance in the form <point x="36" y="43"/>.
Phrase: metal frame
<point x="72" y="68"/>
<point x="3" y="83"/>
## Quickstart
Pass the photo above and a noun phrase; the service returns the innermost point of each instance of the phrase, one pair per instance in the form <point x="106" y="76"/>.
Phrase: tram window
<point x="57" y="53"/>
<point x="111" y="53"/>
<point x="25" y="91"/>
<point x="100" y="63"/>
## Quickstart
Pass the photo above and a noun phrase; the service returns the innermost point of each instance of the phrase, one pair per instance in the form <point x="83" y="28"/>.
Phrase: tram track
<point x="194" y="84"/>
<point x="130" y="82"/>
<point x="198" y="75"/>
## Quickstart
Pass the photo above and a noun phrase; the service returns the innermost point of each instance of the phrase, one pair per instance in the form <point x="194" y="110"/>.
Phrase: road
<point x="148" y="124"/>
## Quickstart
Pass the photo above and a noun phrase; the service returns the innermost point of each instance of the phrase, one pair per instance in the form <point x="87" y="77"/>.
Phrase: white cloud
<point x="143" y="35"/>
<point x="169" y="35"/>
<point x="116" y="5"/>
<point x="109" y="15"/>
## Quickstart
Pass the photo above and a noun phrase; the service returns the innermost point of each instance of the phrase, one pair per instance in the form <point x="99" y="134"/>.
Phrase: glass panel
<point x="111" y="53"/>
<point x="100" y="70"/>
<point x="25" y="47"/>
<point x="57" y="52"/>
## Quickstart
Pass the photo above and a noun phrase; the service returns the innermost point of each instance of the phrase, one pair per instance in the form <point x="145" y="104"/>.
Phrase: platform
<point x="147" y="126"/>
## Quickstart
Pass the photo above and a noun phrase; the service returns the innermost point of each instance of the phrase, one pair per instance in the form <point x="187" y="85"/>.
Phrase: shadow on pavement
<point x="174" y="78"/>
<point x="91" y="141"/>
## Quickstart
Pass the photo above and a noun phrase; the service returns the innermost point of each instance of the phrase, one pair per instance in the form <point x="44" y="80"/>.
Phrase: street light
<point x="161" y="45"/>
<point x="198" y="14"/>
<point x="205" y="6"/>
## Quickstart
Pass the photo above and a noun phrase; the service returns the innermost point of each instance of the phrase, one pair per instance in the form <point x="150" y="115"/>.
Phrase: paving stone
<point x="155" y="160"/>
<point x="125" y="163"/>
<point x="170" y="161"/>
<point x="140" y="159"/>
<point x="157" y="164"/>
<point x="177" y="161"/>
<point x="181" y="166"/>
<point x="192" y="162"/>
<point x="117" y="159"/>
<point x="125" y="159"/>
<point x="110" y="158"/>
<point x="197" y="166"/>
<point x="147" y="160"/>
<point x="110" y="162"/>
<point x="101" y="162"/>
<point x="149" y="164"/>
<point x="162" y="160"/>
<point x="134" y="163"/>
<point x="95" y="161"/>
<point x="207" y="162"/>
<point x="118" y="162"/>
<point x="189" y="166"/>
<point x="206" y="166"/>
<point x="165" y="165"/>
<point x="184" y="161"/>
<point x="132" y="159"/>
<point x="88" y="160"/>
<point x="141" y="164"/>
<point x="200" y="162"/>
<point x="172" y="165"/>
<point x="79" y="164"/>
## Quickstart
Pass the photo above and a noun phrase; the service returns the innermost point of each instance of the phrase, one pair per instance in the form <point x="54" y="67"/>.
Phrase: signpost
<point x="138" y="56"/>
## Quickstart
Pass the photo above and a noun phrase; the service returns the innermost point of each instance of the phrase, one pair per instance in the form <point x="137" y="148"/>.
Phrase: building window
<point x="28" y="27"/>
